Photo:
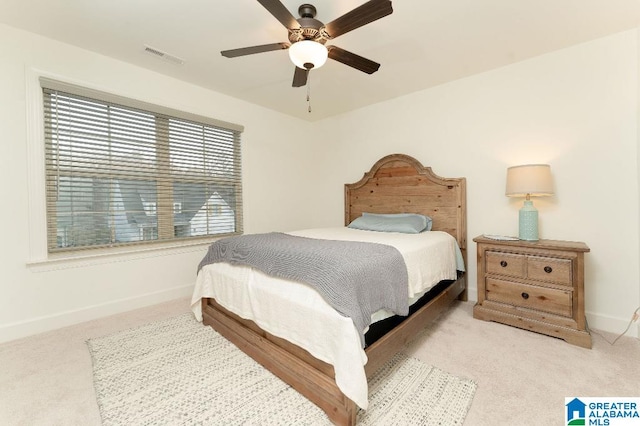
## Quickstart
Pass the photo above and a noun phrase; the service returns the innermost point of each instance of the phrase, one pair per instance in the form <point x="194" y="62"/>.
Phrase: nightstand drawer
<point x="548" y="269"/>
<point x="545" y="299"/>
<point x="512" y="265"/>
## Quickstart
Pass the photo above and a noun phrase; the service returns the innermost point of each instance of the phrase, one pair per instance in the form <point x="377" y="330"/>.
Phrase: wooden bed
<point x="396" y="183"/>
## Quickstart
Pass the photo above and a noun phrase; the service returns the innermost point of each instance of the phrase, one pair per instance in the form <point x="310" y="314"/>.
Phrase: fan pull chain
<point x="309" y="91"/>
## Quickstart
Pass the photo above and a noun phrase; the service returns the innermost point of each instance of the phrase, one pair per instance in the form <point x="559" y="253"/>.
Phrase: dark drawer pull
<point x="525" y="296"/>
<point x="503" y="263"/>
<point x="548" y="269"/>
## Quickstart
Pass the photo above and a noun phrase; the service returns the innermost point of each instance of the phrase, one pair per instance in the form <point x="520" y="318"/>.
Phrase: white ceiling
<point x="422" y="44"/>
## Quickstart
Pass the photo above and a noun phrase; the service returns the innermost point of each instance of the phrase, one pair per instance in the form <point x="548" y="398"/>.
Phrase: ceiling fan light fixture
<point x="307" y="54"/>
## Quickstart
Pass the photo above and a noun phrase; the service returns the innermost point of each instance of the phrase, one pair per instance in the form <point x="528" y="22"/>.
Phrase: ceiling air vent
<point x="163" y="55"/>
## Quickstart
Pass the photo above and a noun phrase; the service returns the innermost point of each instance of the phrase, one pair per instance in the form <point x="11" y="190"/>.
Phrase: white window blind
<point x="119" y="171"/>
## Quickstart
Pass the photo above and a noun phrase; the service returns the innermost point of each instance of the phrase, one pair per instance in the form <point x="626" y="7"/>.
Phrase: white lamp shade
<point x="308" y="52"/>
<point x="529" y="179"/>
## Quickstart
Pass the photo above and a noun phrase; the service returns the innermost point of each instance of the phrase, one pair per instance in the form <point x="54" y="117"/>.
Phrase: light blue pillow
<point x="408" y="223"/>
<point x="427" y="219"/>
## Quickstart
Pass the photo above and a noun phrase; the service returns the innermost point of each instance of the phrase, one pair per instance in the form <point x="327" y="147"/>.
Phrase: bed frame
<point x="396" y="183"/>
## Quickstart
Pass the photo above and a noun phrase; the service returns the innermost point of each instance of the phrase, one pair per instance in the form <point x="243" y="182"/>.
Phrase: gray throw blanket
<point x="355" y="278"/>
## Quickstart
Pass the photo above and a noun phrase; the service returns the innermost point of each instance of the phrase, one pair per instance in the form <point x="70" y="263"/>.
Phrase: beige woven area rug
<point x="179" y="372"/>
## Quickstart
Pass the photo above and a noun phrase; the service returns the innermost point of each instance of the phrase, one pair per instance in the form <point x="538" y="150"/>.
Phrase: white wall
<point x="40" y="296"/>
<point x="576" y="109"/>
<point x="638" y="134"/>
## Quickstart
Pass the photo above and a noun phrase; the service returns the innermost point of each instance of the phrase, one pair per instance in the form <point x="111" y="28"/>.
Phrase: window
<point x="121" y="172"/>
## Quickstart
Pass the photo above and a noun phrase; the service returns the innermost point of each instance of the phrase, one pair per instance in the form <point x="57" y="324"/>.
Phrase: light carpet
<point x="180" y="372"/>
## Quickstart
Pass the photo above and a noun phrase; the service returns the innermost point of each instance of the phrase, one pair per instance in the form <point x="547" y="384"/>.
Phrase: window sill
<point x="113" y="255"/>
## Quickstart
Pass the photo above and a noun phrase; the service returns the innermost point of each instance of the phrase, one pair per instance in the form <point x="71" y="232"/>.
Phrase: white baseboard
<point x="472" y="293"/>
<point x="63" y="319"/>
<point x="33" y="326"/>
<point x="613" y="325"/>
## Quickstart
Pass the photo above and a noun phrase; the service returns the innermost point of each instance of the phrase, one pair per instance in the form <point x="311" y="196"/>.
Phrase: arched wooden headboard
<point x="398" y="183"/>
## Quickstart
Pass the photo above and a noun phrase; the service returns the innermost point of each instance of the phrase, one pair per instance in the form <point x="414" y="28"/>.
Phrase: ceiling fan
<point x="307" y="37"/>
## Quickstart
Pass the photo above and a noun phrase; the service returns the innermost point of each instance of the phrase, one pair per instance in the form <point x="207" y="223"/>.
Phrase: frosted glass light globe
<point x="307" y="54"/>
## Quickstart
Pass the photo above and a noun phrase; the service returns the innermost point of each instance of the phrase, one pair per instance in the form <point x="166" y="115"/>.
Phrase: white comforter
<point x="297" y="313"/>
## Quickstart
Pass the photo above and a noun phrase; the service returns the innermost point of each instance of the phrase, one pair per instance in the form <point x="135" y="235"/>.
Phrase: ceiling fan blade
<point x="361" y="15"/>
<point x="353" y="60"/>
<point x="281" y="13"/>
<point x="254" y="49"/>
<point x="300" y="77"/>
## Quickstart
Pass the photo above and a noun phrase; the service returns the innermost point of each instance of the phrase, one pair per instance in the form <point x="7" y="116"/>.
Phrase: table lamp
<point x="529" y="180"/>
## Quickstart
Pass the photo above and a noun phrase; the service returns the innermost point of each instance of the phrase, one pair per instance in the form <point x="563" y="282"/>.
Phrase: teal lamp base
<point x="528" y="227"/>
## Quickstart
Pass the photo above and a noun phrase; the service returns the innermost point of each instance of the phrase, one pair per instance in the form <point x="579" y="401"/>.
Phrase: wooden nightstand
<point x="538" y="286"/>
